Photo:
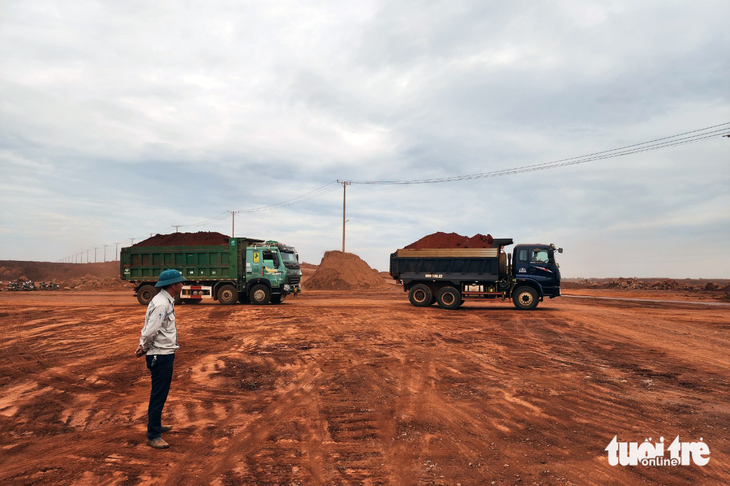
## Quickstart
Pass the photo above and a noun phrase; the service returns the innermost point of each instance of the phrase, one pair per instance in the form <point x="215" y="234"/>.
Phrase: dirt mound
<point x="452" y="240"/>
<point x="635" y="284"/>
<point x="209" y="238"/>
<point x="56" y="272"/>
<point x="344" y="271"/>
<point x="646" y="284"/>
<point x="308" y="269"/>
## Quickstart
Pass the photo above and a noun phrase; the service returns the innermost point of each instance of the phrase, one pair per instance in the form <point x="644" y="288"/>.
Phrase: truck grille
<point x="293" y="280"/>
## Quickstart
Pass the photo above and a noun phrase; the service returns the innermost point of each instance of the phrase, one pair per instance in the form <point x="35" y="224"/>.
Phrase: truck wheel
<point x="525" y="298"/>
<point x="227" y="295"/>
<point x="448" y="298"/>
<point x="420" y="295"/>
<point x="145" y="294"/>
<point x="260" y="294"/>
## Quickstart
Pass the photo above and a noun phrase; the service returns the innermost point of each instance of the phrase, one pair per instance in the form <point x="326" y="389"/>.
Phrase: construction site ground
<point x="341" y="388"/>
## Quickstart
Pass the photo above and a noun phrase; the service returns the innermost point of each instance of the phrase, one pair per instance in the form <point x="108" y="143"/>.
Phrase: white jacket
<point x="159" y="334"/>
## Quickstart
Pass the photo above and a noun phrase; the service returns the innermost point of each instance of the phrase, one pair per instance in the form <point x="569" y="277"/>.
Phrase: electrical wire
<point x="321" y="191"/>
<point x="656" y="144"/>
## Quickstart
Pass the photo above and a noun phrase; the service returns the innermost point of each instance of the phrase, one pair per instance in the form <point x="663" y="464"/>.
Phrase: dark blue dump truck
<point x="450" y="276"/>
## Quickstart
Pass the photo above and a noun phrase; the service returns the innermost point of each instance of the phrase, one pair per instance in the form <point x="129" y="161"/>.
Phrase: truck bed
<point x="216" y="262"/>
<point x="451" y="264"/>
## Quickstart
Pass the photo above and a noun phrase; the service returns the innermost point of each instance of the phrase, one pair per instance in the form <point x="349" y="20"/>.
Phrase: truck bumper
<point x="291" y="289"/>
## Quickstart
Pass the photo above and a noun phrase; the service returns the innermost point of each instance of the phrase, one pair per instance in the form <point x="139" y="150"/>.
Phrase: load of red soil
<point x="203" y="238"/>
<point x="344" y="271"/>
<point x="452" y="240"/>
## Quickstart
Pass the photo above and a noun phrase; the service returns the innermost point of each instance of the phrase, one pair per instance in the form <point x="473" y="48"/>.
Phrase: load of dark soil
<point x="344" y="271"/>
<point x="452" y="240"/>
<point x="206" y="238"/>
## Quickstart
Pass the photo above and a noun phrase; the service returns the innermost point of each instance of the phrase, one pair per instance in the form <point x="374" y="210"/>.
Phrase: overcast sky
<point x="123" y="118"/>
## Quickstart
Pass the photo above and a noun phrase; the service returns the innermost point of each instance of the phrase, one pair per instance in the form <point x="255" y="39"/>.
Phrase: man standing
<point x="159" y="343"/>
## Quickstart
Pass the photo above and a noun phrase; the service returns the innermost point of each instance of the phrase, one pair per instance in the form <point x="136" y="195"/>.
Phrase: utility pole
<point x="87" y="256"/>
<point x="116" y="251"/>
<point x="344" y="205"/>
<point x="95" y="248"/>
<point x="233" y="223"/>
<point x="105" y="252"/>
<point x="177" y="227"/>
<point x="132" y="239"/>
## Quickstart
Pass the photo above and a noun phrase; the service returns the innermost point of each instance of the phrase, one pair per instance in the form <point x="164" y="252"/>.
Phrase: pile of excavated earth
<point x="81" y="276"/>
<point x="344" y="271"/>
<point x="648" y="284"/>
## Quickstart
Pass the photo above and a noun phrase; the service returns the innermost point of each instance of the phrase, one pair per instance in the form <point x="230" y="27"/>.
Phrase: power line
<point x="656" y="144"/>
<point x="321" y="191"/>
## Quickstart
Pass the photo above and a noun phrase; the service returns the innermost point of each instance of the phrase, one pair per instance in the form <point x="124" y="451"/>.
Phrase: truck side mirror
<point x="560" y="250"/>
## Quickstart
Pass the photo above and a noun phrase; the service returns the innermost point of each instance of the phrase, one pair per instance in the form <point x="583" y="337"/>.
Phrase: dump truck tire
<point x="227" y="295"/>
<point x="260" y="295"/>
<point x="525" y="298"/>
<point x="145" y="294"/>
<point x="420" y="295"/>
<point x="448" y="298"/>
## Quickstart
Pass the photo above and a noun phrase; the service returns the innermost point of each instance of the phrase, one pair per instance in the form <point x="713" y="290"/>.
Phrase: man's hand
<point x="139" y="352"/>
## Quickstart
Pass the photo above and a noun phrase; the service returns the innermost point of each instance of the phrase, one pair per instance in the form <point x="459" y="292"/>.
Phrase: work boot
<point x="157" y="443"/>
<point x="166" y="428"/>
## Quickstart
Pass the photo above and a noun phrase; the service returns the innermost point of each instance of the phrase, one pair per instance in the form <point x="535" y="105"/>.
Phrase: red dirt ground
<point x="362" y="388"/>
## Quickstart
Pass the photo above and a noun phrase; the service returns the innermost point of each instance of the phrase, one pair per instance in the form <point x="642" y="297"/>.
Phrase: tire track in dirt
<point x="367" y="390"/>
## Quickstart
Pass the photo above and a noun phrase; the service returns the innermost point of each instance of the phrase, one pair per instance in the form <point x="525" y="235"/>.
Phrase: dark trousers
<point x="160" y="366"/>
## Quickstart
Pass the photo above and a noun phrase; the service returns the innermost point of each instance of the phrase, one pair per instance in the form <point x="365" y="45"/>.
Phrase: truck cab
<point x="272" y="272"/>
<point x="534" y="266"/>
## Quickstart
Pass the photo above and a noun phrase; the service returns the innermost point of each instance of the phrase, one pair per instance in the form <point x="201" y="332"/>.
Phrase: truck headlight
<point x="286" y="287"/>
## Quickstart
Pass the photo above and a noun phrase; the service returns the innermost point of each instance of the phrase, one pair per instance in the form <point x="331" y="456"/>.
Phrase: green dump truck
<point x="215" y="266"/>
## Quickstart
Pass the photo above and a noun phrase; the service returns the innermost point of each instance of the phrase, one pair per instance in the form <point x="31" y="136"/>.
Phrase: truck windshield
<point x="540" y="256"/>
<point x="289" y="257"/>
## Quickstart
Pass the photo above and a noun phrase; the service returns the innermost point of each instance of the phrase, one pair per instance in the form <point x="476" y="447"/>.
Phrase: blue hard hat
<point x="169" y="277"/>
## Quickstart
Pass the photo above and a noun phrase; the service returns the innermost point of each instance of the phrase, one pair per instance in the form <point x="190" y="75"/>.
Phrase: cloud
<point x="118" y="119"/>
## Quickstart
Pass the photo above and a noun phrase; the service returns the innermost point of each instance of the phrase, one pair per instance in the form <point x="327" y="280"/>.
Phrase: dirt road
<point x="327" y="390"/>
